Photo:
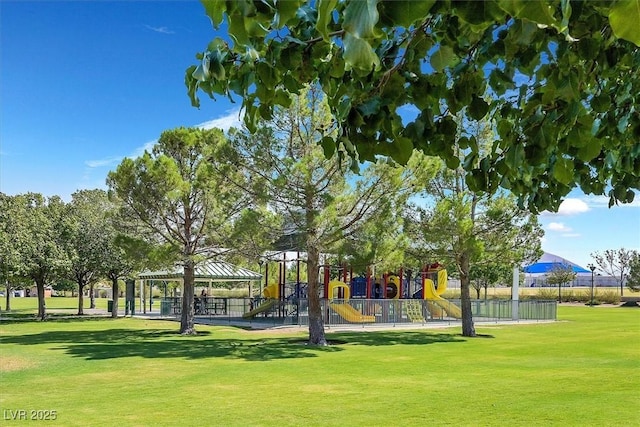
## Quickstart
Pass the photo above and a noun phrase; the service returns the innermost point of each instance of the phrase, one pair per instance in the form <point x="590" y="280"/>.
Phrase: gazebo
<point x="206" y="272"/>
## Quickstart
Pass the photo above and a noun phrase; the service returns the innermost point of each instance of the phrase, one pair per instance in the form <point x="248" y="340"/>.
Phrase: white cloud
<point x="161" y="30"/>
<point x="558" y="226"/>
<point x="603" y="202"/>
<point x="572" y="235"/>
<point x="572" y="207"/>
<point x="564" y="230"/>
<point x="148" y="146"/>
<point x="233" y="118"/>
<point x="102" y="162"/>
<point x="569" y="207"/>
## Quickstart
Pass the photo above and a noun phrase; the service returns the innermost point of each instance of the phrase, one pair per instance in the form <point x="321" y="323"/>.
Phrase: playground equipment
<point x="272" y="293"/>
<point x="344" y="309"/>
<point x="436" y="303"/>
<point x="392" y="286"/>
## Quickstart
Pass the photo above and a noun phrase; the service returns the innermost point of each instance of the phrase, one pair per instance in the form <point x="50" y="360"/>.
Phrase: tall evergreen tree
<point x="181" y="201"/>
<point x="318" y="198"/>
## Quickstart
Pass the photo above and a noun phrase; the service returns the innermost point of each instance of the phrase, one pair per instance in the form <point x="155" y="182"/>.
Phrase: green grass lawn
<point x="582" y="370"/>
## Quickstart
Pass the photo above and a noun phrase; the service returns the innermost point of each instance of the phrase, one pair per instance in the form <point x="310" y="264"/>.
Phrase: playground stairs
<point x="413" y="310"/>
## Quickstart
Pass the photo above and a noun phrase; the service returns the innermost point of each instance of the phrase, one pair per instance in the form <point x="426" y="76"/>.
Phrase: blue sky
<point x="84" y="84"/>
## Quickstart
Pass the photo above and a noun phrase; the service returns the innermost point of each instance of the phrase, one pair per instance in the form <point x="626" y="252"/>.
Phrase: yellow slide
<point x="261" y="308"/>
<point x="350" y="314"/>
<point x="432" y="294"/>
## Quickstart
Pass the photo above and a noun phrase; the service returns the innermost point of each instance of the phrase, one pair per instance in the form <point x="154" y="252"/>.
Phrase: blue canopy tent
<point x="549" y="262"/>
<point x="546" y="267"/>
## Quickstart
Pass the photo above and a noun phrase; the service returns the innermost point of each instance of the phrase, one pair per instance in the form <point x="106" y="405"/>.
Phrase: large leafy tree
<point x="615" y="263"/>
<point x="556" y="76"/>
<point x="9" y="253"/>
<point x="463" y="229"/>
<point x="39" y="230"/>
<point x="320" y="202"/>
<point x="87" y="243"/>
<point x="182" y="203"/>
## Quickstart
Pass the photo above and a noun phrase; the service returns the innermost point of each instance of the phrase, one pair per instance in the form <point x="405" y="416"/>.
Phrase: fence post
<point x="515" y="293"/>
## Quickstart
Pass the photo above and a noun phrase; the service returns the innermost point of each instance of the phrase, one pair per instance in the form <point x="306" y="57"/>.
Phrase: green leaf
<point x="282" y="98"/>
<point x="359" y="55"/>
<point x="478" y="13"/>
<point x="536" y="11"/>
<point x="215" y="65"/>
<point x="401" y="150"/>
<point x="625" y="20"/>
<point x="515" y="156"/>
<point x="568" y="87"/>
<point x="360" y="18"/>
<point x="200" y="74"/>
<point x="406" y="12"/>
<point x="589" y="151"/>
<point x="286" y="11"/>
<point x="601" y="103"/>
<point x="504" y="129"/>
<point x="563" y="170"/>
<point x="470" y="161"/>
<point x="325" y="12"/>
<point x="266" y="74"/>
<point x="478" y="108"/>
<point x="372" y="106"/>
<point x="578" y="136"/>
<point x="328" y="146"/>
<point x="452" y="162"/>
<point x="443" y="58"/>
<point x="215" y="11"/>
<point x="192" y="86"/>
<point x="237" y="30"/>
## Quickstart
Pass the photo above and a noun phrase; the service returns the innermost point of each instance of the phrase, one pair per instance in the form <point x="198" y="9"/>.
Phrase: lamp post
<point x="593" y="269"/>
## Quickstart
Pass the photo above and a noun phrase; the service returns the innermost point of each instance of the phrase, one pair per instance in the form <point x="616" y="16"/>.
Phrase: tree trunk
<point x="477" y="292"/>
<point x="80" y="300"/>
<point x="559" y="293"/>
<point x="42" y="309"/>
<point x="8" y="298"/>
<point x="92" y="297"/>
<point x="468" y="329"/>
<point x="316" y="324"/>
<point x="186" y="321"/>
<point x="114" y="297"/>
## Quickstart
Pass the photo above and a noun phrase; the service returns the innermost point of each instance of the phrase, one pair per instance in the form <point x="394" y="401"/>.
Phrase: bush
<point x="609" y="297"/>
<point x="546" y="294"/>
<point x="568" y="296"/>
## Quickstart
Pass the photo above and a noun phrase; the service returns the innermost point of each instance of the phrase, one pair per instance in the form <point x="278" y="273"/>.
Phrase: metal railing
<point x="267" y="312"/>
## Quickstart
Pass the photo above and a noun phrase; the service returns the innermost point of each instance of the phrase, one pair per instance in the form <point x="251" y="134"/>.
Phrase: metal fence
<point x="266" y="312"/>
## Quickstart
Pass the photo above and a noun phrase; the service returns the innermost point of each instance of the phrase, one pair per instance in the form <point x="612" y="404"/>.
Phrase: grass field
<point x="582" y="370"/>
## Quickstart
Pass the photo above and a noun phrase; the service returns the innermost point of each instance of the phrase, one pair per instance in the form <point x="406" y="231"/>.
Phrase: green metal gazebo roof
<point x="212" y="271"/>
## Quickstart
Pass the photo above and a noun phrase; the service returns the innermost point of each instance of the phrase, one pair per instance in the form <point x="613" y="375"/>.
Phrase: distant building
<point x="536" y="273"/>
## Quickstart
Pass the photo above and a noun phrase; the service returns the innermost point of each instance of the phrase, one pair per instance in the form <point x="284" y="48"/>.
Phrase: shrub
<point x="546" y="294"/>
<point x="609" y="297"/>
<point x="568" y="296"/>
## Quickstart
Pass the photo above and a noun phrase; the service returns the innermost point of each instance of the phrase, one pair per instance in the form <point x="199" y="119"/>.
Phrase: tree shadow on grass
<point x="13" y="318"/>
<point x="162" y="343"/>
<point x="383" y="338"/>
